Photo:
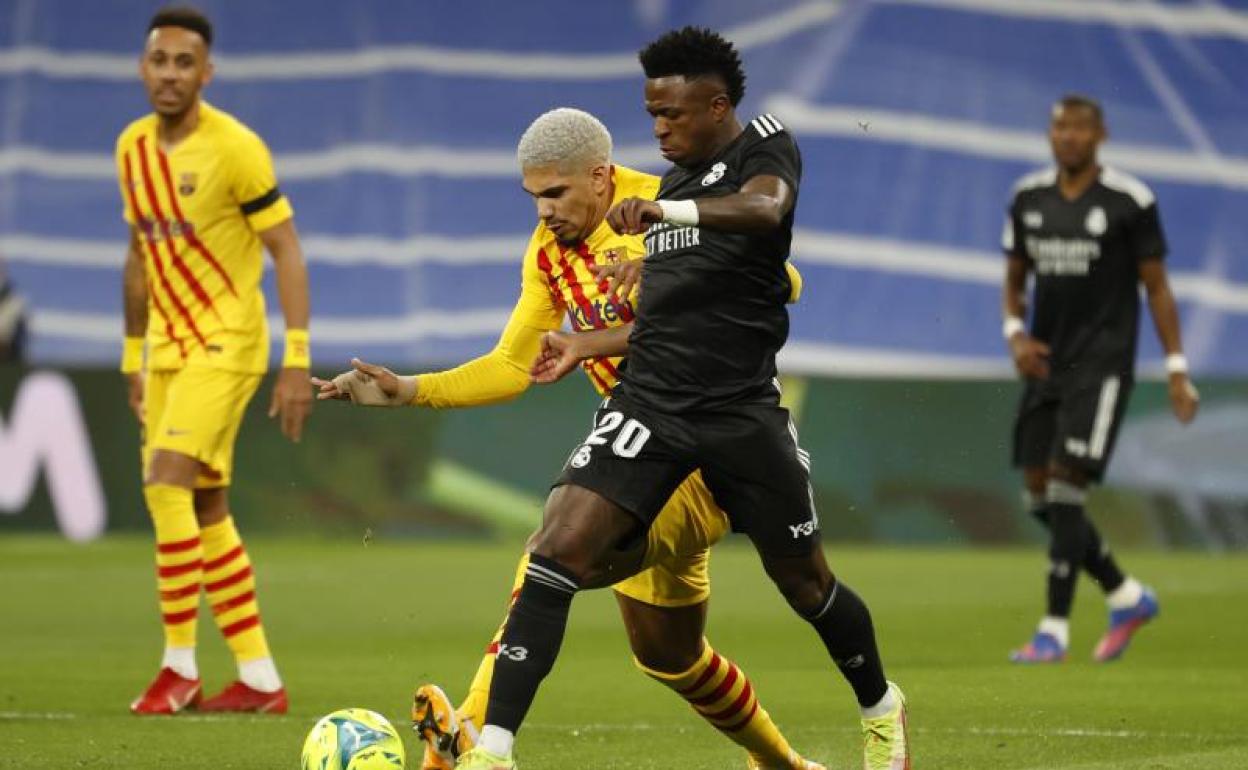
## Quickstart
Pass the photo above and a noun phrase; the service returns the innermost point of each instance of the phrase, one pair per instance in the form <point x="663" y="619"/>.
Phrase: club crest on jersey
<point x="186" y="183"/>
<point x="715" y="174"/>
<point x="1033" y="219"/>
<point x="1096" y="223"/>
<point x="612" y="256"/>
<point x="581" y="457"/>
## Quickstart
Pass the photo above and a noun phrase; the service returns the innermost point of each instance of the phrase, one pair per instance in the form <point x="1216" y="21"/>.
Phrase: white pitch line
<point x="1021" y="732"/>
<point x="1061" y="732"/>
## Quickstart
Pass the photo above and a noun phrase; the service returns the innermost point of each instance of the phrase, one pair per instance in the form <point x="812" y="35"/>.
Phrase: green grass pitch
<point x="360" y="625"/>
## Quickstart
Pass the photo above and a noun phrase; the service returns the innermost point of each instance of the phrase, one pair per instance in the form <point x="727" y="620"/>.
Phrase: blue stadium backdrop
<point x="394" y="123"/>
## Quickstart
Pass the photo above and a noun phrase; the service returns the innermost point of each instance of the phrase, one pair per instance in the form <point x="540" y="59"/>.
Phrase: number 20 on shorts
<point x="630" y="435"/>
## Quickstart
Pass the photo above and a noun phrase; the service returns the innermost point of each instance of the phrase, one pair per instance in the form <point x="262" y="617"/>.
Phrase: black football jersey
<point x="1085" y="254"/>
<point x="712" y="312"/>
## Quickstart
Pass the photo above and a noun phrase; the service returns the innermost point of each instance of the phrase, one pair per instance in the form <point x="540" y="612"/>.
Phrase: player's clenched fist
<point x="559" y="355"/>
<point x="632" y="216"/>
<point x="367" y="385"/>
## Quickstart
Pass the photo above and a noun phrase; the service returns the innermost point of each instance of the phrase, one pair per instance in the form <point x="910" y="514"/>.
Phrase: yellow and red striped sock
<point x="179" y="562"/>
<point x="723" y="696"/>
<point x="473" y="706"/>
<point x="231" y="589"/>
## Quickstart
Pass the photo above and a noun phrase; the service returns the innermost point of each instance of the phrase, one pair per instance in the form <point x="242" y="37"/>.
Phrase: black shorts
<point x="1072" y="421"/>
<point x="748" y="455"/>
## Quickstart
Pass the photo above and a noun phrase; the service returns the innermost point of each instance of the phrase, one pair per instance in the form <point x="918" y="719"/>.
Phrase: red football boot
<point x="241" y="698"/>
<point x="168" y="693"/>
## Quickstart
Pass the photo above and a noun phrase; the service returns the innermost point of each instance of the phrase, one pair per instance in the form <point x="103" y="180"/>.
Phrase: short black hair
<point x="1084" y="101"/>
<point x="184" y="16"/>
<point x="695" y="52"/>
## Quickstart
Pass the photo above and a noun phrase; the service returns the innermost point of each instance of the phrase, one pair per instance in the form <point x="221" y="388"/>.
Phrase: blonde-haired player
<point x="565" y="159"/>
<point x="202" y="200"/>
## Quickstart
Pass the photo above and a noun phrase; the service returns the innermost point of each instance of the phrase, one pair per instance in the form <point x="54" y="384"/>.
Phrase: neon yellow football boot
<point x="885" y="744"/>
<point x="480" y="759"/>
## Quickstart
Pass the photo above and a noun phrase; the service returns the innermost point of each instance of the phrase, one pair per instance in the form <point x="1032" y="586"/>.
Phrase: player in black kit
<point x="698" y="392"/>
<point x="1092" y="235"/>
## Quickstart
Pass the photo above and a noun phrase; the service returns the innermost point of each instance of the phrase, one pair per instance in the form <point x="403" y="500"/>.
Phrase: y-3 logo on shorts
<point x="805" y="529"/>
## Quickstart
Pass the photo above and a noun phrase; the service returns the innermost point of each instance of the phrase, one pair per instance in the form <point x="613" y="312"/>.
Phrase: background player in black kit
<point x="1091" y="235"/>
<point x="698" y="391"/>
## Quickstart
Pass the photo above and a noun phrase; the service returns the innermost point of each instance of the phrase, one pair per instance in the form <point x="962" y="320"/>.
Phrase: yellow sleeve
<point x="255" y="183"/>
<point x="503" y="373"/>
<point x="795" y="281"/>
<point x="120" y="154"/>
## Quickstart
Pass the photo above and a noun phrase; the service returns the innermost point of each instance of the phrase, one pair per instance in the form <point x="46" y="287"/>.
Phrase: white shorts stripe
<point x="1104" y="418"/>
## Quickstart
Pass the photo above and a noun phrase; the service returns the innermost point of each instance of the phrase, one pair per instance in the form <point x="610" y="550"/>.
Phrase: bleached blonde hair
<point x="569" y="138"/>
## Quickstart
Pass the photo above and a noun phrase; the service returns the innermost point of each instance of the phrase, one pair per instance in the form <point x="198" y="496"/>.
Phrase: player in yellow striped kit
<point x="566" y="165"/>
<point x="202" y="203"/>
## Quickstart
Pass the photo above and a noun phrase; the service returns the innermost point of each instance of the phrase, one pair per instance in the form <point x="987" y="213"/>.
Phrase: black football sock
<point x="531" y="641"/>
<point x="844" y="625"/>
<point x="1099" y="562"/>
<point x="1037" y="506"/>
<point x="1068" y="544"/>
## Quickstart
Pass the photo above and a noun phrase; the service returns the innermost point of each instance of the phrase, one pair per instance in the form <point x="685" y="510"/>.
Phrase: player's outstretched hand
<point x="623" y="278"/>
<point x="134" y="394"/>
<point x="632" y="216"/>
<point x="559" y="355"/>
<point x="1184" y="398"/>
<point x="291" y="402"/>
<point x="1031" y="356"/>
<point x="367" y="385"/>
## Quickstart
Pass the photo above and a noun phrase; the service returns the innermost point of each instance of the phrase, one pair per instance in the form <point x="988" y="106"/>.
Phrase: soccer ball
<point x="353" y="739"/>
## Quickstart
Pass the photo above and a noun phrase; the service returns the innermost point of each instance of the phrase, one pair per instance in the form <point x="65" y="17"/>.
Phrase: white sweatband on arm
<point x="1013" y="325"/>
<point x="680" y="212"/>
<point x="1176" y="363"/>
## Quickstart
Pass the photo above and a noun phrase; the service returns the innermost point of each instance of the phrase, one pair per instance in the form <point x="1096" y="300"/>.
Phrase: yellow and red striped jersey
<point x="555" y="282"/>
<point x="198" y="209"/>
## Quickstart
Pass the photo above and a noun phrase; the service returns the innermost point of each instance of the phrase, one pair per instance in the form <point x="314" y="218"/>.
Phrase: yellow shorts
<point x="196" y="411"/>
<point x="674" y="573"/>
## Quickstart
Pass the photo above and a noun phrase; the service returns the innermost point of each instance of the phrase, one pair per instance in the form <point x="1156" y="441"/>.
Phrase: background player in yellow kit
<point x="201" y="199"/>
<point x="565" y="158"/>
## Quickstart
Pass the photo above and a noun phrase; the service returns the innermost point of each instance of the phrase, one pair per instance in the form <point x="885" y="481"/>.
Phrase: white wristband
<point x="680" y="212"/>
<point x="1013" y="325"/>
<point x="1176" y="363"/>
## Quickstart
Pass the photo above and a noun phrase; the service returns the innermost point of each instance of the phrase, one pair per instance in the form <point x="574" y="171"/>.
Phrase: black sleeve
<point x="1147" y="239"/>
<point x="1012" y="232"/>
<point x="777" y="155"/>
